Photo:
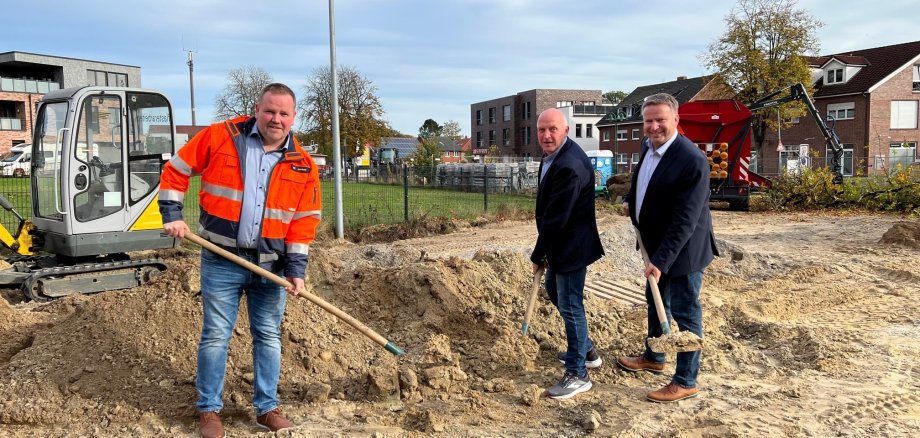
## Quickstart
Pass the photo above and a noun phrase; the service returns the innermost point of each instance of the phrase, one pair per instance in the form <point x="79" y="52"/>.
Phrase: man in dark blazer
<point x="567" y="242"/>
<point x="668" y="203"/>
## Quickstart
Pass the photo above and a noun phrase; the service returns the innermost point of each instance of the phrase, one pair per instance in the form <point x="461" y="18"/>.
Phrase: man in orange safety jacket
<point x="260" y="199"/>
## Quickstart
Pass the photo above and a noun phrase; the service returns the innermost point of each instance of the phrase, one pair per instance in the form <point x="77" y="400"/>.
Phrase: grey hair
<point x="660" y="99"/>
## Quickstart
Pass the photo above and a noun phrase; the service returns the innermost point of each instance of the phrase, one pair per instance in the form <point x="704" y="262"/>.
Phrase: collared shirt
<point x="257" y="169"/>
<point x="649" y="163"/>
<point x="548" y="161"/>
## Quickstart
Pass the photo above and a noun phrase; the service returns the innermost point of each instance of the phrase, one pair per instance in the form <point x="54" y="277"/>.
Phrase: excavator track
<point x="55" y="282"/>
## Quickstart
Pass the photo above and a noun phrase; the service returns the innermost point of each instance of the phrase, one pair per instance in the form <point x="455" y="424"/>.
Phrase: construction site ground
<point x="812" y="328"/>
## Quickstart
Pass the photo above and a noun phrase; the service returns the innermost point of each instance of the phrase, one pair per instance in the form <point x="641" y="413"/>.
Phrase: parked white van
<point x="18" y="162"/>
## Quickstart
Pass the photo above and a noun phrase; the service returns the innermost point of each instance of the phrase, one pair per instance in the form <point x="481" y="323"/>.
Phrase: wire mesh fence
<point x="384" y="195"/>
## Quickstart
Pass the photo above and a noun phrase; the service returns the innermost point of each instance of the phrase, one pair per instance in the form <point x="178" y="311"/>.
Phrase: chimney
<point x="681" y="78"/>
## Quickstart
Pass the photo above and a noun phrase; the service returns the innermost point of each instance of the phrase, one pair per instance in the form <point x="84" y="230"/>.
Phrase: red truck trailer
<point x="722" y="130"/>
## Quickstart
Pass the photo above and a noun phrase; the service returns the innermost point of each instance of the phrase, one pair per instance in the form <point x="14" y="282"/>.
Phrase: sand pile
<point x="903" y="233"/>
<point x="793" y="336"/>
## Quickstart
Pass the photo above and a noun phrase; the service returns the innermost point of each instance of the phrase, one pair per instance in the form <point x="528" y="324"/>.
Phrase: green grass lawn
<point x="362" y="203"/>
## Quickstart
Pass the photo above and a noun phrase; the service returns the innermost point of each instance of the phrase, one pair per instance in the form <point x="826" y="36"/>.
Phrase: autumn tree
<point x="451" y="129"/>
<point x="614" y="96"/>
<point x="242" y="92"/>
<point x="360" y="112"/>
<point x="761" y="52"/>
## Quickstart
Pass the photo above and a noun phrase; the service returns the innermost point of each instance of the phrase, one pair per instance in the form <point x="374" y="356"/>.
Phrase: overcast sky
<point x="428" y="58"/>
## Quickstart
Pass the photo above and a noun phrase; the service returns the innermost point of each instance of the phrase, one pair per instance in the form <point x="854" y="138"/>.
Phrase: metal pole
<point x="191" y="84"/>
<point x="336" y="146"/>
<point x="616" y="145"/>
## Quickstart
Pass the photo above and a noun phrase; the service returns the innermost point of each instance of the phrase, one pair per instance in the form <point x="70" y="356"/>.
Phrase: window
<point x="621" y="134"/>
<point x="589" y="130"/>
<point x="841" y="111"/>
<point x="835" y="76"/>
<point x="506" y="136"/>
<point x="525" y="110"/>
<point x="506" y="113"/>
<point x="479" y="117"/>
<point x="903" y="114"/>
<point x="525" y="135"/>
<point x="491" y="115"/>
<point x="479" y="139"/>
<point x="578" y="130"/>
<point x="562" y="103"/>
<point x="491" y="137"/>
<point x="635" y="157"/>
<point x="621" y="158"/>
<point x="917" y="77"/>
<point x="96" y="77"/>
<point x="846" y="160"/>
<point x="635" y="133"/>
<point x="606" y="136"/>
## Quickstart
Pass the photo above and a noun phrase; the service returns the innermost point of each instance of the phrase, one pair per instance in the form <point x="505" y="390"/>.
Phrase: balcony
<point x="593" y="110"/>
<point x="27" y="85"/>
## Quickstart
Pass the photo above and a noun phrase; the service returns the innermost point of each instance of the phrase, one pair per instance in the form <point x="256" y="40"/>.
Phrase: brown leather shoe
<point x="672" y="393"/>
<point x="209" y="425"/>
<point x="274" y="420"/>
<point x="639" y="363"/>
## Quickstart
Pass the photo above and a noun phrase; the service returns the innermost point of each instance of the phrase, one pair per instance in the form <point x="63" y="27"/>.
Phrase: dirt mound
<point x="797" y="319"/>
<point x="903" y="233"/>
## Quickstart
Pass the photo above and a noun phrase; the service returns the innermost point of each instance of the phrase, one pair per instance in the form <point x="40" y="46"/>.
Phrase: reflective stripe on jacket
<point x="293" y="204"/>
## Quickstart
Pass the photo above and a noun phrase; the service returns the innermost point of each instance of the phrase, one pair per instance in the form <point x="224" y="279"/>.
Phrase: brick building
<point x="510" y="123"/>
<point x="621" y="132"/>
<point x="871" y="99"/>
<point x="26" y="77"/>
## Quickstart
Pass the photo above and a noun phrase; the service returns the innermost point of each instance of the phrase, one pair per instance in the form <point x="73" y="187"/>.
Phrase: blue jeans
<point x="567" y="292"/>
<point x="681" y="298"/>
<point x="222" y="286"/>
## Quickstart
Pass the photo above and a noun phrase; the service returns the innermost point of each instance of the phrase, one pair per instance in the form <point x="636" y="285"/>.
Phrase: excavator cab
<point x="97" y="156"/>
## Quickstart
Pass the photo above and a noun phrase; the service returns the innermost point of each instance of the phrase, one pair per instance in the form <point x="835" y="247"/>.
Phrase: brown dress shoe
<point x="274" y="420"/>
<point x="639" y="363"/>
<point x="209" y="425"/>
<point x="672" y="393"/>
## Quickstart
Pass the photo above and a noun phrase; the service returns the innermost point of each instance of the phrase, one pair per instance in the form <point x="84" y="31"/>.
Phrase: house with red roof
<point x="870" y="98"/>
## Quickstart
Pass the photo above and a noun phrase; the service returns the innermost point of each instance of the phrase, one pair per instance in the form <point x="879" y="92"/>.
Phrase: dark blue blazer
<point x="675" y="223"/>
<point x="566" y="225"/>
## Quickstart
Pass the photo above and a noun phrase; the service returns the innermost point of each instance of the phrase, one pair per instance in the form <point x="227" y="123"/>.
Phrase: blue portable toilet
<point x="602" y="163"/>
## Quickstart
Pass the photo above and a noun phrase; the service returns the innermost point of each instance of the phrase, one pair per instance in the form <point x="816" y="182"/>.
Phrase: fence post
<point x="485" y="188"/>
<point x="406" y="192"/>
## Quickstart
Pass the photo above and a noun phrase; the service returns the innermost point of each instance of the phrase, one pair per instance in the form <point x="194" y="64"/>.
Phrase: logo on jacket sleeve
<point x="301" y="169"/>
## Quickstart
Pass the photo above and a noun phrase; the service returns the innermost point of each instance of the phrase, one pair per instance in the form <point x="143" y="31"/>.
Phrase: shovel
<point x="367" y="331"/>
<point x="537" y="276"/>
<point x="668" y="342"/>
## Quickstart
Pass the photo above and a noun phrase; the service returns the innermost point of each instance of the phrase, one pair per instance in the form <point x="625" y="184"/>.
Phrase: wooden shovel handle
<point x="532" y="300"/>
<point x="656" y="294"/>
<point x="367" y="331"/>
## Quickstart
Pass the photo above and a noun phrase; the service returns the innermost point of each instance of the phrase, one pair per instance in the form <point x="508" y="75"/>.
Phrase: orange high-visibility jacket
<point x="293" y="204"/>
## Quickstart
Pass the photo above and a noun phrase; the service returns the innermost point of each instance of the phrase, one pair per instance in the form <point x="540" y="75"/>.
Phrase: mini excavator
<point x="97" y="156"/>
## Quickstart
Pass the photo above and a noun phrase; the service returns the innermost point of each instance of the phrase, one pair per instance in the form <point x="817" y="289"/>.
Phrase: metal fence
<point x="384" y="195"/>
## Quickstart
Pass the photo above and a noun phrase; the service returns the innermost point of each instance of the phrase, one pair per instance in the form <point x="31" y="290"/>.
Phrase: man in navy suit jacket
<point x="567" y="242"/>
<point x="668" y="203"/>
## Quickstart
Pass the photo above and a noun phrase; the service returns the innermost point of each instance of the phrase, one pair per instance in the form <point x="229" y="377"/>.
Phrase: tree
<point x="451" y="129"/>
<point x="429" y="129"/>
<point x="242" y="92"/>
<point x="761" y="52"/>
<point x="360" y="111"/>
<point x="615" y="96"/>
<point x="427" y="153"/>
